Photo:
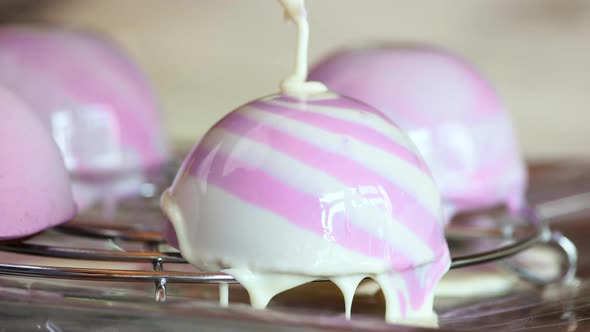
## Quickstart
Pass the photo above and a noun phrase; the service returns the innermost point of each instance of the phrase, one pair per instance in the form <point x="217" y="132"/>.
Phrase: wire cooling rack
<point x="515" y="238"/>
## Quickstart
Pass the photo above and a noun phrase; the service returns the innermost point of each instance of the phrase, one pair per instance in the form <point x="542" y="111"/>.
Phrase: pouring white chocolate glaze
<point x="305" y="186"/>
<point x="296" y="83"/>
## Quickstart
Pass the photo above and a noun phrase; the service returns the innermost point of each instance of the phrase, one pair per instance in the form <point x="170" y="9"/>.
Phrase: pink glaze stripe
<point x="359" y="132"/>
<point x="258" y="188"/>
<point x="434" y="271"/>
<point x="401" y="300"/>
<point x="405" y="207"/>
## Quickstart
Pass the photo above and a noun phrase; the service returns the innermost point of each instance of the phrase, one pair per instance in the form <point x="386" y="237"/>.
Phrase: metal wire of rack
<point x="521" y="240"/>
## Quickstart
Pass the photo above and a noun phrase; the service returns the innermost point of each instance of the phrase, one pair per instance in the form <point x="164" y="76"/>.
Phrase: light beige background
<point x="206" y="57"/>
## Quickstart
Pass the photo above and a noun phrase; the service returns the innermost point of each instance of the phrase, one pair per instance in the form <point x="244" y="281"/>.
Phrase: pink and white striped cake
<point x="450" y="112"/>
<point x="35" y="191"/>
<point x="286" y="190"/>
<point x="99" y="106"/>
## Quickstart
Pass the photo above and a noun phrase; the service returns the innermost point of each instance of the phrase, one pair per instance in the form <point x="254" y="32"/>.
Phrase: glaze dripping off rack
<point x="516" y="235"/>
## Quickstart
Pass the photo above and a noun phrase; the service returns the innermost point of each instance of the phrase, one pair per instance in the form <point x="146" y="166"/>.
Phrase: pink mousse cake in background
<point x="35" y="192"/>
<point x="448" y="109"/>
<point x="286" y="190"/>
<point x="99" y="106"/>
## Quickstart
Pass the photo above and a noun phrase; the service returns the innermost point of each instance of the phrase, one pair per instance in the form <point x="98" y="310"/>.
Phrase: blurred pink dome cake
<point x="35" y="192"/>
<point x="286" y="190"/>
<point x="99" y="106"/>
<point x="450" y="112"/>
